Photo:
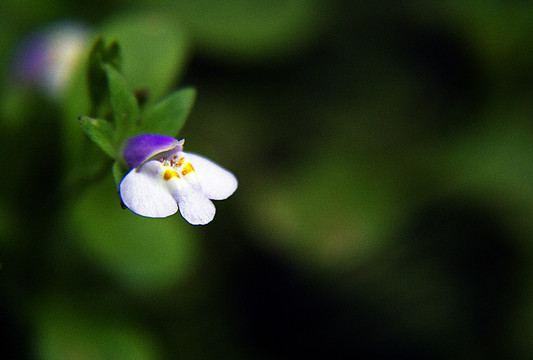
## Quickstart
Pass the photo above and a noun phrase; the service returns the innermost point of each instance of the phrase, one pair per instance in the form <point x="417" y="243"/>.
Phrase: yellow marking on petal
<point x="181" y="160"/>
<point x="187" y="169"/>
<point x="169" y="174"/>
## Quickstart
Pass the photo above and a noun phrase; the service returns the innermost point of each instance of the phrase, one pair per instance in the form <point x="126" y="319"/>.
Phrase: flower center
<point x="178" y="166"/>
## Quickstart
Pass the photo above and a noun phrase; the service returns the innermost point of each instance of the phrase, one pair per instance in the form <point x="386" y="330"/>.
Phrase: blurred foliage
<point x="383" y="152"/>
<point x="135" y="260"/>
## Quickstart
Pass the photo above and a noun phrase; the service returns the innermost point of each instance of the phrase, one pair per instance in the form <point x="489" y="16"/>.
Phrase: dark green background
<point x="384" y="152"/>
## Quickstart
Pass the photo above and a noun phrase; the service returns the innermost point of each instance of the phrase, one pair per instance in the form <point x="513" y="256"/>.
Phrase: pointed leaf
<point x="113" y="55"/>
<point x="101" y="132"/>
<point x="168" y="116"/>
<point x="123" y="102"/>
<point x="96" y="76"/>
<point x="155" y="50"/>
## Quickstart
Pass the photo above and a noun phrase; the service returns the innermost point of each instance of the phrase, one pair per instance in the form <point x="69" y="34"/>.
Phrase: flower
<point x="164" y="178"/>
<point x="47" y="59"/>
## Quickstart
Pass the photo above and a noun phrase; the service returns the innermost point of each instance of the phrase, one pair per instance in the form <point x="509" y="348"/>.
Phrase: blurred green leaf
<point x="68" y="331"/>
<point x="123" y="102"/>
<point x="143" y="254"/>
<point x="168" y="116"/>
<point x="13" y="115"/>
<point x="252" y="30"/>
<point x="113" y="55"/>
<point x="499" y="31"/>
<point x="99" y="55"/>
<point x="154" y="50"/>
<point x="101" y="132"/>
<point x="335" y="218"/>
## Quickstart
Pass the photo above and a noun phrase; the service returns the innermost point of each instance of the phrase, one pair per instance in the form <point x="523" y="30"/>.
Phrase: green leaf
<point x="101" y="132"/>
<point x="168" y="116"/>
<point x="113" y="55"/>
<point x="96" y="76"/>
<point x="143" y="254"/>
<point x="77" y="327"/>
<point x="251" y="31"/>
<point x="154" y="48"/>
<point x="123" y="102"/>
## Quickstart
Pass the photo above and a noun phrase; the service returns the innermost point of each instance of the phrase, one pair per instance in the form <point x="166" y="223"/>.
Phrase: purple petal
<point x="31" y="60"/>
<point x="141" y="148"/>
<point x="45" y="59"/>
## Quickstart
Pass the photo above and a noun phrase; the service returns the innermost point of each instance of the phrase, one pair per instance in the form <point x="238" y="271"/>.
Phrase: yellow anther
<point x="169" y="174"/>
<point x="187" y="169"/>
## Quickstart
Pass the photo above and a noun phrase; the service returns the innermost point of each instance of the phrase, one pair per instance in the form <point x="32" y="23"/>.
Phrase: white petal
<point x="143" y="191"/>
<point x="217" y="183"/>
<point x="194" y="206"/>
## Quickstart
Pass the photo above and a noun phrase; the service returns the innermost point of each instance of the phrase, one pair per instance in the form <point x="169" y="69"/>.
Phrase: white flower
<point x="164" y="179"/>
<point x="47" y="59"/>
